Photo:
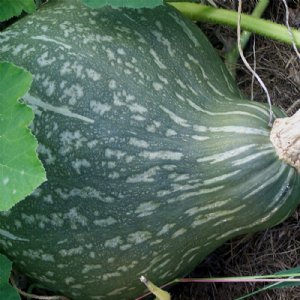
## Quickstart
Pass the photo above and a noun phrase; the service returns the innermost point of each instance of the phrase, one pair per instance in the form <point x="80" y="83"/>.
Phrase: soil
<point x="276" y="249"/>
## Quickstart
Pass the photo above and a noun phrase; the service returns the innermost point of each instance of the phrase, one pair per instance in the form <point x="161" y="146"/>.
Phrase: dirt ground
<point x="278" y="248"/>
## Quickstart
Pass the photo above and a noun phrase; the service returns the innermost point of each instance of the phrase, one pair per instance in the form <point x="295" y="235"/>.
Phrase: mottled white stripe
<point x="200" y="138"/>
<point x="138" y="143"/>
<point x="215" y="215"/>
<point x="117" y="291"/>
<point x="187" y="253"/>
<point x="252" y="225"/>
<point x="203" y="73"/>
<point x="138" y="237"/>
<point x="60" y="110"/>
<point x="236" y="230"/>
<point x="163" y="40"/>
<point x="105" y="222"/>
<point x="163" y="79"/>
<point x="178" y="187"/>
<point x="88" y="268"/>
<point x="165" y="229"/>
<point x="200" y="128"/>
<point x="157" y="260"/>
<point x="214" y="89"/>
<point x="193" y="194"/>
<point x="170" y="132"/>
<point x="197" y="209"/>
<point x="178" y="233"/>
<point x="193" y="59"/>
<point x="251" y="157"/>
<point x="178" y="120"/>
<point x="11" y="236"/>
<point x="264" y="111"/>
<point x="240" y="129"/>
<point x="146" y="208"/>
<point x="210" y="113"/>
<point x="185" y="28"/>
<point x="285" y="185"/>
<point x="146" y="176"/>
<point x="47" y="39"/>
<point x="232" y="129"/>
<point x="168" y="155"/>
<point x="226" y="155"/>
<point x="266" y="183"/>
<point x="181" y="84"/>
<point x="157" y="60"/>
<point x="225" y="76"/>
<point x="226" y="220"/>
<point x="220" y="178"/>
<point x="99" y="108"/>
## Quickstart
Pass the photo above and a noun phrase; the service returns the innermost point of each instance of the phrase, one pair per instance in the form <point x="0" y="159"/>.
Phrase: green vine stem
<point x="269" y="29"/>
<point x="232" y="56"/>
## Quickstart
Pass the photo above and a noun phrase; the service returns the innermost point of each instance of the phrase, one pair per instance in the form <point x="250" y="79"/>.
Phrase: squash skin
<point x="150" y="165"/>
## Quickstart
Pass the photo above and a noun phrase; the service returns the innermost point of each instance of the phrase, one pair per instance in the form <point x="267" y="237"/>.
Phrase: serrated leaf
<point x="122" y="3"/>
<point x="7" y="292"/>
<point x="13" y="8"/>
<point x="20" y="169"/>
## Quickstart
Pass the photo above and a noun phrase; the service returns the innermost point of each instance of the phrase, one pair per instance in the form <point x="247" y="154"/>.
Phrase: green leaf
<point x="122" y="3"/>
<point x="20" y="169"/>
<point x="7" y="292"/>
<point x="13" y="8"/>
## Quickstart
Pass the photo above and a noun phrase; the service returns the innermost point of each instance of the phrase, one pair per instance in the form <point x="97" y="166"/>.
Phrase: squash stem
<point x="269" y="29"/>
<point x="285" y="136"/>
<point x="232" y="56"/>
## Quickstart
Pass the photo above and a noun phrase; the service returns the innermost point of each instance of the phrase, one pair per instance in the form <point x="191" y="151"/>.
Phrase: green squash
<point x="153" y="158"/>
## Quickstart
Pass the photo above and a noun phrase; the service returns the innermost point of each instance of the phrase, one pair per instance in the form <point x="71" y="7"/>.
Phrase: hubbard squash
<point x="153" y="157"/>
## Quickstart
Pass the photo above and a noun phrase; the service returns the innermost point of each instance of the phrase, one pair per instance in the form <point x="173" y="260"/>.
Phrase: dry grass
<point x="279" y="69"/>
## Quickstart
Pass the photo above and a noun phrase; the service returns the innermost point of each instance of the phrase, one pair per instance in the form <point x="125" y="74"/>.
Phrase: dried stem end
<point x="285" y="136"/>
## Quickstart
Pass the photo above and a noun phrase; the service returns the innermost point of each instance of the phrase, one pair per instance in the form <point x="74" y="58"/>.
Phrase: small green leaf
<point x="7" y="292"/>
<point x="20" y="169"/>
<point x="122" y="3"/>
<point x="13" y="8"/>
